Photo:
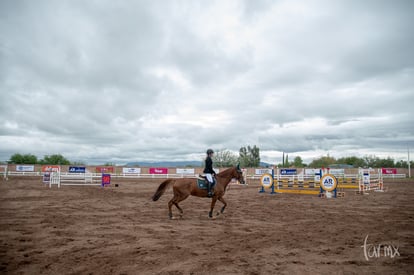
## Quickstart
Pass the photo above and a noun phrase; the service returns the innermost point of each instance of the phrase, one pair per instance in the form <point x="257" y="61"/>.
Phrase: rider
<point x="209" y="172"/>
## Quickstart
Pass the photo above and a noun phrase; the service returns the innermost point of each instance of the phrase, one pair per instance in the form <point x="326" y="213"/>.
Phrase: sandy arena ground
<point x="119" y="230"/>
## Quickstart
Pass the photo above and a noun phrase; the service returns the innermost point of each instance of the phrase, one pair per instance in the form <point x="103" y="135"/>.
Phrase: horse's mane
<point x="226" y="172"/>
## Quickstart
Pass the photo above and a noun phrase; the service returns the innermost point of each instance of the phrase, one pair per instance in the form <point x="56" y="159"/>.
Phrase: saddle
<point x="202" y="182"/>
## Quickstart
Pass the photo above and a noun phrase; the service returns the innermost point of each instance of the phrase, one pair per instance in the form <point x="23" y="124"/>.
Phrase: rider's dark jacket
<point x="209" y="166"/>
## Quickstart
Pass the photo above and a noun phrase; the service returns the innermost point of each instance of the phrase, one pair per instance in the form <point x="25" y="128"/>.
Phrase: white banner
<point x="337" y="172"/>
<point x="311" y="171"/>
<point x="25" y="168"/>
<point x="131" y="170"/>
<point x="263" y="171"/>
<point x="187" y="171"/>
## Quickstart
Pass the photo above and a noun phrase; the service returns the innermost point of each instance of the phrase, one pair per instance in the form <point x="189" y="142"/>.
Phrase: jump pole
<point x="5" y="172"/>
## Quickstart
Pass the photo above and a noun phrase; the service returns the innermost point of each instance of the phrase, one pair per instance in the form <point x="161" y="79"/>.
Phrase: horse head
<point x="239" y="174"/>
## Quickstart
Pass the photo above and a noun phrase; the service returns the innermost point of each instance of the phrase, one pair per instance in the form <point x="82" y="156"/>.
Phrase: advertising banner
<point x="104" y="169"/>
<point x="50" y="168"/>
<point x="263" y="171"/>
<point x="389" y="171"/>
<point x="158" y="171"/>
<point x="187" y="171"/>
<point x="312" y="171"/>
<point x="25" y="168"/>
<point x="337" y="172"/>
<point x="106" y="179"/>
<point x="131" y="170"/>
<point x="77" y="169"/>
<point x="288" y="172"/>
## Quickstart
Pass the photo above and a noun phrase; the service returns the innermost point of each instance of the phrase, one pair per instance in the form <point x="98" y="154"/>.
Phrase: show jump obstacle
<point x="52" y="175"/>
<point x="369" y="181"/>
<point x="4" y="170"/>
<point x="323" y="184"/>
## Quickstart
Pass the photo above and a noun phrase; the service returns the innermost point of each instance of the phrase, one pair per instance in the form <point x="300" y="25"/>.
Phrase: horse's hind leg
<point x="179" y="209"/>
<point x="179" y="199"/>
<point x="175" y="200"/>
<point x="170" y="203"/>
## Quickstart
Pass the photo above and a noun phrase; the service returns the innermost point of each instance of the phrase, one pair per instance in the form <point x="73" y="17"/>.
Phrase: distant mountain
<point x="265" y="164"/>
<point x="191" y="163"/>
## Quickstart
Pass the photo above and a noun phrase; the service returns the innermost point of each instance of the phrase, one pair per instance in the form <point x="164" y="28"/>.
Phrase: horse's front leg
<point x="213" y="203"/>
<point x="224" y="204"/>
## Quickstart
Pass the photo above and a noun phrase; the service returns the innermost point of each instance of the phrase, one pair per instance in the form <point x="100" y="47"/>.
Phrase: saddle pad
<point x="202" y="184"/>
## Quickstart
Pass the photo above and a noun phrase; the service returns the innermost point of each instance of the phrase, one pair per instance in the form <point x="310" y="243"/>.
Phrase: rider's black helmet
<point x="210" y="151"/>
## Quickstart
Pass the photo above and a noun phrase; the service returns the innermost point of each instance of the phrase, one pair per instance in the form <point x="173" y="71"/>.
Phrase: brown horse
<point x="182" y="188"/>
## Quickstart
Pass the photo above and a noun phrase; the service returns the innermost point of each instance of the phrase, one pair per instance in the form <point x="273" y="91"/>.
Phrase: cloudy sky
<point x="124" y="81"/>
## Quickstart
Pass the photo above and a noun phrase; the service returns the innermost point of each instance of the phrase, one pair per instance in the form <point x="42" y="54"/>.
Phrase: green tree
<point x="372" y="161"/>
<point x="354" y="161"/>
<point x="323" y="161"/>
<point x="23" y="159"/>
<point x="250" y="156"/>
<point x="16" y="159"/>
<point x="225" y="158"/>
<point x="401" y="164"/>
<point x="298" y="163"/>
<point x="55" y="160"/>
<point x="388" y="162"/>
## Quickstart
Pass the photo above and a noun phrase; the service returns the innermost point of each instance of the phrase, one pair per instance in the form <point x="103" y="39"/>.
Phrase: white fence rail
<point x="81" y="176"/>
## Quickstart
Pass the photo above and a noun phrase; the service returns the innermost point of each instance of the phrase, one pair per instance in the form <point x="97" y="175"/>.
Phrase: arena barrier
<point x="370" y="181"/>
<point x="321" y="183"/>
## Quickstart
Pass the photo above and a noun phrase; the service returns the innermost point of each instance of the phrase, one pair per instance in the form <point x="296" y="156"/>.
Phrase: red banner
<point x="158" y="170"/>
<point x="104" y="169"/>
<point x="389" y="171"/>
<point x="50" y="168"/>
<point x="106" y="179"/>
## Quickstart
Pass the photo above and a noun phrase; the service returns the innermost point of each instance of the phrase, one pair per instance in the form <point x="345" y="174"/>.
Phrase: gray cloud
<point x="156" y="80"/>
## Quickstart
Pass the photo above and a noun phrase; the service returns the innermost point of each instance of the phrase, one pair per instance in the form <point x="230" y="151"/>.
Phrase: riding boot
<point x="209" y="193"/>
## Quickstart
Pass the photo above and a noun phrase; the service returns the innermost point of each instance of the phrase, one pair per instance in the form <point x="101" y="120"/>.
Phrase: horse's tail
<point x="161" y="189"/>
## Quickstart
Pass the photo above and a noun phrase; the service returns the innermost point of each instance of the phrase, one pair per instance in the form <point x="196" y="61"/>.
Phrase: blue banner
<point x="77" y="169"/>
<point x="288" y="171"/>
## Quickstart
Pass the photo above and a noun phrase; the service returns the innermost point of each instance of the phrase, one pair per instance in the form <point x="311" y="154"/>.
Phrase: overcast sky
<point x="120" y="81"/>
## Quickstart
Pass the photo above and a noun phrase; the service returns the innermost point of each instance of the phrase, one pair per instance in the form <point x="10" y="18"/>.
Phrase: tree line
<point x="250" y="157"/>
<point x="32" y="159"/>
